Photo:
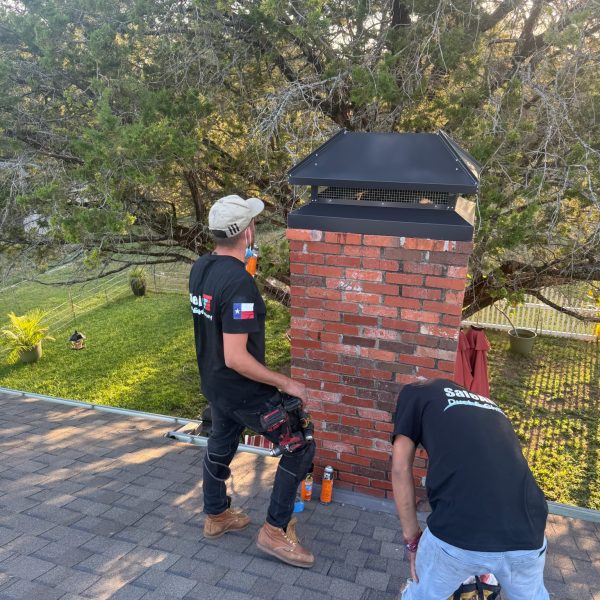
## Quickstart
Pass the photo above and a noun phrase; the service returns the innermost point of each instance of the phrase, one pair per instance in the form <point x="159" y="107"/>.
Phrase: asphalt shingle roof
<point x="96" y="506"/>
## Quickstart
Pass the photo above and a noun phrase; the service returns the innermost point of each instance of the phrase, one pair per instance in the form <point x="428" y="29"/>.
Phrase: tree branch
<point x="562" y="309"/>
<point x="489" y="21"/>
<point x="40" y="149"/>
<point x="514" y="275"/>
<point x="74" y="281"/>
<point x="142" y="252"/>
<point x="192" y="182"/>
<point x="527" y="40"/>
<point x="97" y="276"/>
<point x="400" y="14"/>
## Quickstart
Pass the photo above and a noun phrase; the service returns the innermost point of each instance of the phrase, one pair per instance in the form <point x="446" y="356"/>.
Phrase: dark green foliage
<point x="123" y="122"/>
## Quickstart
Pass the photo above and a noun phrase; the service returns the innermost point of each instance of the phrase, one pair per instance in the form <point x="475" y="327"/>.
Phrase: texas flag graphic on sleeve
<point x="244" y="310"/>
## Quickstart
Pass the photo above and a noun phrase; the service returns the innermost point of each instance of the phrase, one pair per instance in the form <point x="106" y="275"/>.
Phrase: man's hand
<point x="411" y="544"/>
<point x="403" y="456"/>
<point x="294" y="388"/>
<point x="412" y="559"/>
<point x="238" y="358"/>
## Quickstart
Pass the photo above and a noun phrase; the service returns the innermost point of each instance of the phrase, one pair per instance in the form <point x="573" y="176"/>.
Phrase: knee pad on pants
<point x="217" y="470"/>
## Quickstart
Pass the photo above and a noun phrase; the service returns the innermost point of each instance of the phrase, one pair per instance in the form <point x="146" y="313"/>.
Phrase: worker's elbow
<point x="401" y="469"/>
<point x="230" y="361"/>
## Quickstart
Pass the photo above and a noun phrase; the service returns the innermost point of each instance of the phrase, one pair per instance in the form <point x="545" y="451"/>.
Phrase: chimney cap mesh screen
<point x="422" y="199"/>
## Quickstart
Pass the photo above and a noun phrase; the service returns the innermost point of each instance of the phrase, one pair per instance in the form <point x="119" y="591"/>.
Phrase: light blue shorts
<point x="441" y="569"/>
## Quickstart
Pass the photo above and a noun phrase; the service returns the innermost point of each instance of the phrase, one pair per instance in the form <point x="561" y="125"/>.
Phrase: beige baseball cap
<point x="231" y="214"/>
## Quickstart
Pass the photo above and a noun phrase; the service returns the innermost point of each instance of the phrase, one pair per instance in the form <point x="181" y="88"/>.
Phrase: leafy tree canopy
<point x="122" y="121"/>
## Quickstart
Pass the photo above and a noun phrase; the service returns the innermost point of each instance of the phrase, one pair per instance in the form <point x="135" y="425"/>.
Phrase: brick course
<point x="369" y="314"/>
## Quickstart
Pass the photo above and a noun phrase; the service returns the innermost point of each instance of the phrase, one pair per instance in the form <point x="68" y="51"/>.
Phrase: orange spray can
<point x="307" y="485"/>
<point x="327" y="485"/>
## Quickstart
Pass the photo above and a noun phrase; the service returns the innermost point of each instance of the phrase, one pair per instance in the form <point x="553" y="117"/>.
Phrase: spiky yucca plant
<point x="24" y="333"/>
<point x="137" y="281"/>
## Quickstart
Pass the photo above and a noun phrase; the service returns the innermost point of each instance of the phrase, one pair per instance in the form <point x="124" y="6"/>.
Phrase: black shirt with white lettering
<point x="225" y="299"/>
<point x="482" y="494"/>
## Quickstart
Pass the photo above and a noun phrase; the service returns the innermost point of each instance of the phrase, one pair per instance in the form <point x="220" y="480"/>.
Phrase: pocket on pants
<point x="530" y="556"/>
<point x="455" y="559"/>
<point x="250" y="419"/>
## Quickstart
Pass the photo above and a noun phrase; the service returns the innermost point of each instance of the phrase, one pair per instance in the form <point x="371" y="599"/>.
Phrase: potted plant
<point x="521" y="340"/>
<point x="137" y="281"/>
<point x="24" y="336"/>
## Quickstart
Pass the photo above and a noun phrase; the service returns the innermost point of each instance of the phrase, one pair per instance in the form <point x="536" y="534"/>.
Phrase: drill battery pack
<point x="273" y="419"/>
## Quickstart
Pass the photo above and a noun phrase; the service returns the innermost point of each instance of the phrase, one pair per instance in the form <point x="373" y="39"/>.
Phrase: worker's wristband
<point x="412" y="545"/>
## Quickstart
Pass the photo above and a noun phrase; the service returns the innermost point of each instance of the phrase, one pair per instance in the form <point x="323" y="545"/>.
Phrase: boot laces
<point x="290" y="533"/>
<point x="292" y="541"/>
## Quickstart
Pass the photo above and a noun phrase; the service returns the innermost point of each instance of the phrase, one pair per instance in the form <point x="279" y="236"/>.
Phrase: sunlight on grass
<point x="553" y="401"/>
<point x="139" y="355"/>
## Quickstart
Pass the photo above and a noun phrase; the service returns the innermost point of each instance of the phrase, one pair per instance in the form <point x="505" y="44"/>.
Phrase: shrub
<point x="24" y="333"/>
<point x="137" y="281"/>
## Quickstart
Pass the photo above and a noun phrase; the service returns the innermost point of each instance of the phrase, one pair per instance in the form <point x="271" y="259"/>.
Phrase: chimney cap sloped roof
<point x="407" y="161"/>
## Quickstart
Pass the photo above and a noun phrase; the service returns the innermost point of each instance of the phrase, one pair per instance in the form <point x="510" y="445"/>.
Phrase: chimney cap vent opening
<point x="403" y="184"/>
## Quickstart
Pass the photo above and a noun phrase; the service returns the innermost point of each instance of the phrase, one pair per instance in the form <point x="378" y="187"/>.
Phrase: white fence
<point x="166" y="278"/>
<point x="533" y="314"/>
<point x="99" y="294"/>
<point x="104" y="291"/>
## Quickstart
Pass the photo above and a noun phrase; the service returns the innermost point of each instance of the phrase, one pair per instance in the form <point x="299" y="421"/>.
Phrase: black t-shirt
<point x="225" y="299"/>
<point x="482" y="493"/>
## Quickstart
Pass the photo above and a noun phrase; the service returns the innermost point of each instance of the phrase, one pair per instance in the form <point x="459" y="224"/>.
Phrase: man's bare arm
<point x="239" y="359"/>
<point x="403" y="455"/>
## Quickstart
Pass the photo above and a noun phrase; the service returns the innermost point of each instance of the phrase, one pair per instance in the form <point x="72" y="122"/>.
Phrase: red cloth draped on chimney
<point x="462" y="368"/>
<point x="480" y="346"/>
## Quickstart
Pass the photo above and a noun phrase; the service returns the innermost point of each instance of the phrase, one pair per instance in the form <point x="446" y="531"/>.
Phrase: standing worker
<point x="229" y="327"/>
<point x="488" y="514"/>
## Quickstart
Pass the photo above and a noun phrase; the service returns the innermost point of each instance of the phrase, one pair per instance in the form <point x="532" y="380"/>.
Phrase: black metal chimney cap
<point x="406" y="161"/>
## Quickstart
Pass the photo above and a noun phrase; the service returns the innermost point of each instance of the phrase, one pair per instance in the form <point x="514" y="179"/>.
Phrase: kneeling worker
<point x="488" y="514"/>
<point x="229" y="327"/>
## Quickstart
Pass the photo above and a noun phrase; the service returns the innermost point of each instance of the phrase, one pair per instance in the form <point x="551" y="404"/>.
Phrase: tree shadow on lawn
<point x="552" y="399"/>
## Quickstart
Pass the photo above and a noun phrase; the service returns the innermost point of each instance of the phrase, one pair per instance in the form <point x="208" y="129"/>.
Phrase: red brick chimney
<point x="378" y="262"/>
<point x="369" y="314"/>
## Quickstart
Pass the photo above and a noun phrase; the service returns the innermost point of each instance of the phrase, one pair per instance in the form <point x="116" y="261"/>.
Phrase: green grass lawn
<point x="553" y="401"/>
<point x="66" y="303"/>
<point x="139" y="355"/>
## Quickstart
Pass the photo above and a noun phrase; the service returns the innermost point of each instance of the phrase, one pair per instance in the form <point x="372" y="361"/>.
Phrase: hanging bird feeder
<point x="77" y="340"/>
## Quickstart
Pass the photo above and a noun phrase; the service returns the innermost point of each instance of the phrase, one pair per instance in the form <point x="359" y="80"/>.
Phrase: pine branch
<point x="490" y="20"/>
<point x="126" y="265"/>
<point x="562" y="309"/>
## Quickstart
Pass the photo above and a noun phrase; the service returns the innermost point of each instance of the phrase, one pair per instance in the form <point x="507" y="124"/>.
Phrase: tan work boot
<point x="284" y="545"/>
<point x="229" y="520"/>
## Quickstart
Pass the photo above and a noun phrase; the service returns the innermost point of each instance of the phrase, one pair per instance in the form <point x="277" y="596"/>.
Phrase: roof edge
<point x="454" y="149"/>
<point x="312" y="154"/>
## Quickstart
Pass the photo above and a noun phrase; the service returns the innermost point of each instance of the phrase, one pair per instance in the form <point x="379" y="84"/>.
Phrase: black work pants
<point x="228" y="423"/>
